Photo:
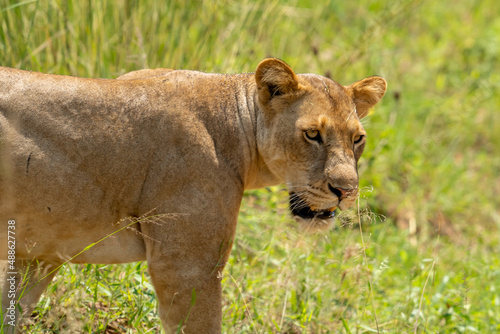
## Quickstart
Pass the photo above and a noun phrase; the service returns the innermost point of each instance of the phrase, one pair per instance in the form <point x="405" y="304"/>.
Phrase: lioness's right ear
<point x="274" y="78"/>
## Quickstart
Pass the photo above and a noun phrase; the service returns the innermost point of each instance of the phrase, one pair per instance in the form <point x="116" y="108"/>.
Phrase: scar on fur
<point x="326" y="86"/>
<point x="28" y="162"/>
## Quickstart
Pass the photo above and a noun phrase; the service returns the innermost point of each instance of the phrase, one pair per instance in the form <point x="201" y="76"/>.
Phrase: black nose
<point x="341" y="193"/>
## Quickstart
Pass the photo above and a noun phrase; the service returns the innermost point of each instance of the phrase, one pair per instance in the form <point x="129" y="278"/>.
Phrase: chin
<point x="312" y="219"/>
<point x="312" y="225"/>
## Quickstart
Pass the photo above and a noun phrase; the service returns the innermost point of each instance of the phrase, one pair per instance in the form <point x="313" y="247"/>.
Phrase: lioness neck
<point x="232" y="103"/>
<point x="256" y="173"/>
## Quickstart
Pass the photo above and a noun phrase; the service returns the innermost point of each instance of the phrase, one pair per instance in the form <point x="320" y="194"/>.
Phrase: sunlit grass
<point x="279" y="280"/>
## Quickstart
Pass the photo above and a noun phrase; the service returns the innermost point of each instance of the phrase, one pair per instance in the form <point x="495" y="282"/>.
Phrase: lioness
<point x="78" y="156"/>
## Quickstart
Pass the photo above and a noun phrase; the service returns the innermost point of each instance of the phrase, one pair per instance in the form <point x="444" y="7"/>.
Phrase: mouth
<point x="300" y="208"/>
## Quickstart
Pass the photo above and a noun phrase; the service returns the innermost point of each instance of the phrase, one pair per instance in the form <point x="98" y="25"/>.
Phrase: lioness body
<point x="85" y="167"/>
<point x="81" y="159"/>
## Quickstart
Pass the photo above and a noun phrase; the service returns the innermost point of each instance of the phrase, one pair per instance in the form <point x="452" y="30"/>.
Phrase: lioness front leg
<point x="186" y="272"/>
<point x="192" y="304"/>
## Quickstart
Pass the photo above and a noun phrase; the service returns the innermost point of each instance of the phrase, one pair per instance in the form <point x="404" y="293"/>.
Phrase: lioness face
<point x="314" y="137"/>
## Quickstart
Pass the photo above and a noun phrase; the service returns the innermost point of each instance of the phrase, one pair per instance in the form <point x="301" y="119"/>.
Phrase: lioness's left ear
<point x="274" y="77"/>
<point x="366" y="93"/>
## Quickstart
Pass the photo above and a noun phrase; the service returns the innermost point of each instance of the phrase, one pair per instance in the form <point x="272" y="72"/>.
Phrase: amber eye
<point x="358" y="139"/>
<point x="313" y="134"/>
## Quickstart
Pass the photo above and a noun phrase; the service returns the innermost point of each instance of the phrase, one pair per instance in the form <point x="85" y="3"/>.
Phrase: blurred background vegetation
<point x="425" y="258"/>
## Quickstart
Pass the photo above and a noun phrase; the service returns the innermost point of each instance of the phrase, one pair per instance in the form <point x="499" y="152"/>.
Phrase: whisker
<point x="352" y="112"/>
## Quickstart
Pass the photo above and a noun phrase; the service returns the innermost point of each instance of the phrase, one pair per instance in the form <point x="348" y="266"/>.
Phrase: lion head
<point x="313" y="137"/>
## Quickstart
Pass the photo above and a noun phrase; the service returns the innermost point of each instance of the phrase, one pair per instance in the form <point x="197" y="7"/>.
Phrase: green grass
<point x="427" y="259"/>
